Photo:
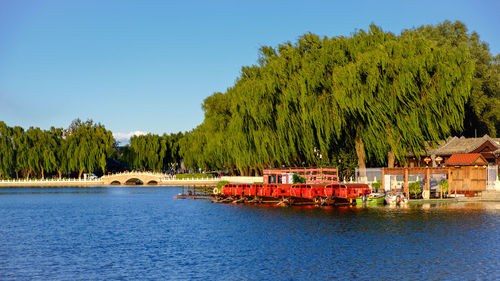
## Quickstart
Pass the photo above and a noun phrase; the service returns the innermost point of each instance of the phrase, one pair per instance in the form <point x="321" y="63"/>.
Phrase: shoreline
<point x="98" y="183"/>
<point x="197" y="183"/>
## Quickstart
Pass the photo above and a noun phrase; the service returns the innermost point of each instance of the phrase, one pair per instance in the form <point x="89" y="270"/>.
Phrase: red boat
<point x="266" y="191"/>
<point x="251" y="190"/>
<point x="358" y="189"/>
<point x="240" y="189"/>
<point x="282" y="191"/>
<point x="227" y="190"/>
<point x="345" y="193"/>
<point x="321" y="187"/>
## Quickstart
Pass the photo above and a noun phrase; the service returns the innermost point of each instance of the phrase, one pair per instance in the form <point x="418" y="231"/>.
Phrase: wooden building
<point x="468" y="172"/>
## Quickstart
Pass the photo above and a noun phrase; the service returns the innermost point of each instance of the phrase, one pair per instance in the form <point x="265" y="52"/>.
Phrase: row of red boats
<point x="322" y="194"/>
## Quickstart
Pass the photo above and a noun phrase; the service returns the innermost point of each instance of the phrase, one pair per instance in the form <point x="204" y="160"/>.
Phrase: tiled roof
<point x="454" y="145"/>
<point x="466" y="159"/>
<point x="463" y="145"/>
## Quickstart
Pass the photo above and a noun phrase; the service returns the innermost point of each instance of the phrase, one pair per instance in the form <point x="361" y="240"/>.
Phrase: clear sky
<point x="147" y="65"/>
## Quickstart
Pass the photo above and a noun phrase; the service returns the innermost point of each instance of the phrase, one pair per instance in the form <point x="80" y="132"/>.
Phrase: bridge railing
<point x="136" y="173"/>
<point x="47" y="180"/>
<point x="172" y="179"/>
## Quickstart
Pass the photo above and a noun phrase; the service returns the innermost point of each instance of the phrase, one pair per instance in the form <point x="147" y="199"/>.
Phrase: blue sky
<point x="147" y="65"/>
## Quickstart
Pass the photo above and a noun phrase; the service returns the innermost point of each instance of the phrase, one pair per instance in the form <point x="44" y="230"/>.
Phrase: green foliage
<point x="7" y="164"/>
<point x="415" y="189"/>
<point x="371" y="93"/>
<point x="298" y="179"/>
<point x="221" y="184"/>
<point x="444" y="186"/>
<point x="84" y="146"/>
<point x="153" y="152"/>
<point x="482" y="109"/>
<point x="376" y="186"/>
<point x="88" y="146"/>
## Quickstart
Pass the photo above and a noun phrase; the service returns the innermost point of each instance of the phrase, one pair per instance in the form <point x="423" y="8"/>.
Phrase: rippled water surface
<point x="143" y="233"/>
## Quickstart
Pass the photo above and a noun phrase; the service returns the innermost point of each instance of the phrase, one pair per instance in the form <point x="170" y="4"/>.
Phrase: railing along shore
<point x="48" y="180"/>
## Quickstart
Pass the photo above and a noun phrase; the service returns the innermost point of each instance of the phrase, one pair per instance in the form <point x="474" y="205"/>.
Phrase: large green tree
<point x="88" y="146"/>
<point x="308" y="102"/>
<point x="482" y="110"/>
<point x="7" y="163"/>
<point x="154" y="152"/>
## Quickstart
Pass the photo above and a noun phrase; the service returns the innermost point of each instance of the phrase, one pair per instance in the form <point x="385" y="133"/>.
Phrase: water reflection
<point x="132" y="232"/>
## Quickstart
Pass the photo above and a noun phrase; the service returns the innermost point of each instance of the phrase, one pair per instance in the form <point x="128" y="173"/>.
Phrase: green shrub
<point x="376" y="186"/>
<point x="221" y="184"/>
<point x="298" y="179"/>
<point x="444" y="186"/>
<point x="415" y="189"/>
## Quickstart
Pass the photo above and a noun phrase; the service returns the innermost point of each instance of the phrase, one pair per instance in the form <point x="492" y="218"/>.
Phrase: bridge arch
<point x="134" y="178"/>
<point x="134" y="181"/>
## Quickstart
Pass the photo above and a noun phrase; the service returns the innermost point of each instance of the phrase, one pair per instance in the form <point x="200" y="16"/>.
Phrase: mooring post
<point x="407" y="189"/>
<point x="450" y="181"/>
<point x="427" y="186"/>
<point x="383" y="179"/>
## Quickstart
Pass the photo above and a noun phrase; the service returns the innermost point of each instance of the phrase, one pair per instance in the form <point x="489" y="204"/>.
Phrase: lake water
<point x="142" y="233"/>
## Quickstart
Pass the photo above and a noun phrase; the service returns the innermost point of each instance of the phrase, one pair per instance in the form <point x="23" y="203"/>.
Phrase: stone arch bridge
<point x="134" y="178"/>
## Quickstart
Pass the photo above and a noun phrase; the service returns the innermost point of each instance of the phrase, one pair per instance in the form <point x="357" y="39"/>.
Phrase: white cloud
<point x="124" y="138"/>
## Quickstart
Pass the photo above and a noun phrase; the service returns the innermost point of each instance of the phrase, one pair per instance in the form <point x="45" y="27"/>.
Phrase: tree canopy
<point x="375" y="93"/>
<point x="83" y="147"/>
<point x="153" y="152"/>
<point x="371" y="97"/>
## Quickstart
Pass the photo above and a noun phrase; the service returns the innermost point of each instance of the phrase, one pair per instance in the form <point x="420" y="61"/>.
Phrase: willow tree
<point x="374" y="92"/>
<point x="58" y="145"/>
<point x="6" y="151"/>
<point x="88" y="146"/>
<point x="147" y="152"/>
<point x="401" y="91"/>
<point x="206" y="146"/>
<point x="21" y="151"/>
<point x="431" y="86"/>
<point x="153" y="152"/>
<point x="41" y="155"/>
<point x="482" y="110"/>
<point x="172" y="159"/>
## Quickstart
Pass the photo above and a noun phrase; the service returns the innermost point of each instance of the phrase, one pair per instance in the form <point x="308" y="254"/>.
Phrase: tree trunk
<point x="59" y="173"/>
<point x="391" y="157"/>
<point x="43" y="174"/>
<point x="80" y="172"/>
<point x="258" y="171"/>
<point x="360" y="152"/>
